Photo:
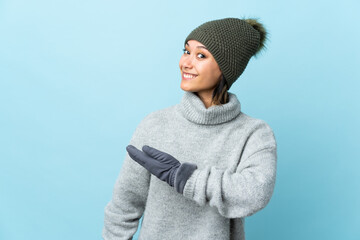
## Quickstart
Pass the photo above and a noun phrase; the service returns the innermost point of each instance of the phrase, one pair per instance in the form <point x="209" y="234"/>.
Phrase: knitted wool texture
<point x="236" y="158"/>
<point x="231" y="41"/>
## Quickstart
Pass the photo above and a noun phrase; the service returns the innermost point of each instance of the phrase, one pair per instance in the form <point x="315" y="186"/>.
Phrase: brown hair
<point x="220" y="93"/>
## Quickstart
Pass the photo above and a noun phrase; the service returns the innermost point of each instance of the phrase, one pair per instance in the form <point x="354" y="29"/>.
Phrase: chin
<point x="186" y="88"/>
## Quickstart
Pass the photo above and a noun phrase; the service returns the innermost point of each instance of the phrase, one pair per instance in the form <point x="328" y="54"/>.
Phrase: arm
<point x="246" y="190"/>
<point x="127" y="205"/>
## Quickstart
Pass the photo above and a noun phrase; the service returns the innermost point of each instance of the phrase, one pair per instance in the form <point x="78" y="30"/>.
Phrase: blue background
<point x="77" y="77"/>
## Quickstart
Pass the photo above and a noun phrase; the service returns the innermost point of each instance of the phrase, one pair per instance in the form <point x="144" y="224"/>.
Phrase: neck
<point x="194" y="109"/>
<point x="206" y="99"/>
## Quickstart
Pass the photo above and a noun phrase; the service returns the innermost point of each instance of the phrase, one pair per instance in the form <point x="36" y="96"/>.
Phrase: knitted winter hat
<point x="232" y="42"/>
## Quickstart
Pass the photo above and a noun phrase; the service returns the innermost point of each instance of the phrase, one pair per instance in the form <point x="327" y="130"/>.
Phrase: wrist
<point x="182" y="174"/>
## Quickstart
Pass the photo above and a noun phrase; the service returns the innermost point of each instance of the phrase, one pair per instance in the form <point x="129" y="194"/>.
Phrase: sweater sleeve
<point x="239" y="192"/>
<point x="127" y="205"/>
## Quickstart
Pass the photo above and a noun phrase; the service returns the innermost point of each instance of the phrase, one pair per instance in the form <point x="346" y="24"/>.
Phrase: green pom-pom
<point x="263" y="33"/>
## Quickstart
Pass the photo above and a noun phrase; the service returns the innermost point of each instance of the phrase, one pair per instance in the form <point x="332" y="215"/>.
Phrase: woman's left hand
<point x="162" y="165"/>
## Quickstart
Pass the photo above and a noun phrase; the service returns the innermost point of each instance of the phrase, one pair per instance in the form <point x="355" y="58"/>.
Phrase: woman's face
<point x="199" y="70"/>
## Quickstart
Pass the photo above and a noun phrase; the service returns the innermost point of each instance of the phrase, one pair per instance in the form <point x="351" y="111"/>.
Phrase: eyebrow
<point x="199" y="46"/>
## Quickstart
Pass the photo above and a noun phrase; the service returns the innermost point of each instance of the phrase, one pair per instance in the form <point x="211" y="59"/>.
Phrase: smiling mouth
<point x="189" y="76"/>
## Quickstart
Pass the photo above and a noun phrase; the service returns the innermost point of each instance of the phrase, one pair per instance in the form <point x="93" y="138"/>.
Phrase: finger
<point x="149" y="163"/>
<point x="162" y="157"/>
<point x="153" y="152"/>
<point x="137" y="155"/>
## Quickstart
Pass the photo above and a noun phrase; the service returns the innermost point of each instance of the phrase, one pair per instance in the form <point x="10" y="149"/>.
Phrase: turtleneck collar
<point x="193" y="109"/>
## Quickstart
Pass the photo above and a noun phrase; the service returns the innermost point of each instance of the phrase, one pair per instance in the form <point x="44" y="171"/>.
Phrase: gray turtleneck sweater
<point x="236" y="158"/>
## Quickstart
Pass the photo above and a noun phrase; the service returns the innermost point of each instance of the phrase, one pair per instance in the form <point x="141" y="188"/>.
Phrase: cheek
<point x="216" y="73"/>
<point x="212" y="71"/>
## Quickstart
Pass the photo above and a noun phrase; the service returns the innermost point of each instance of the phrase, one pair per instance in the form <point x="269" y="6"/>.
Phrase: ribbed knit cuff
<point x="183" y="174"/>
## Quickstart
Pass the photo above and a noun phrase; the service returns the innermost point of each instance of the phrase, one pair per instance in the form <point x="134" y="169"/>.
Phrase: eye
<point x="185" y="51"/>
<point x="200" y="55"/>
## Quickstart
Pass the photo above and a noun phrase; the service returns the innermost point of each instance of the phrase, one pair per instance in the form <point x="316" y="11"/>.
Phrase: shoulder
<point x="254" y="123"/>
<point x="258" y="130"/>
<point x="158" y="117"/>
<point x="247" y="121"/>
<point x="150" y="124"/>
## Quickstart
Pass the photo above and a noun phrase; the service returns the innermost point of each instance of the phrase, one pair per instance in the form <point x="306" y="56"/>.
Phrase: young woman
<point x="195" y="170"/>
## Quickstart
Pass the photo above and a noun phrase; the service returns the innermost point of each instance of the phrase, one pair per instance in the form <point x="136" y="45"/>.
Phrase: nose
<point x="187" y="62"/>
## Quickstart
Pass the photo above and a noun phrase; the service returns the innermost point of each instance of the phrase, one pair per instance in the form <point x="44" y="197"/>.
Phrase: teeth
<point x="189" y="75"/>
